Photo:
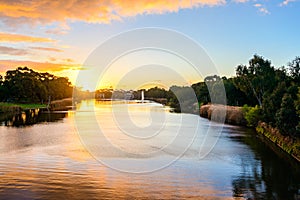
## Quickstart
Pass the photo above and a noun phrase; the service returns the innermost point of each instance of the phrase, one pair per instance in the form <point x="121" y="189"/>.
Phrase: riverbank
<point x="59" y="105"/>
<point x="15" y="108"/>
<point x="286" y="143"/>
<point x="8" y="110"/>
<point x="235" y="116"/>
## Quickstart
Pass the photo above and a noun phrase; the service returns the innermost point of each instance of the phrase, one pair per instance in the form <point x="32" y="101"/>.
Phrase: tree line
<point x="266" y="93"/>
<point x="25" y="85"/>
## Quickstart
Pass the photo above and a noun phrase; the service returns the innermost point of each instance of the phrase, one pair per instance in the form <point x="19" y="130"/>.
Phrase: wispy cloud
<point x="39" y="66"/>
<point x="262" y="9"/>
<point x="14" y="38"/>
<point x="57" y="31"/>
<point x="69" y="60"/>
<point x="47" y="49"/>
<point x="64" y="60"/>
<point x="286" y="2"/>
<point x="240" y="1"/>
<point x="13" y="51"/>
<point x="93" y="11"/>
<point x="257" y="5"/>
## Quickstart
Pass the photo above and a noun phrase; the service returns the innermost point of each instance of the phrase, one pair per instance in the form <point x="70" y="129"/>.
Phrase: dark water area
<point x="42" y="156"/>
<point x="30" y="117"/>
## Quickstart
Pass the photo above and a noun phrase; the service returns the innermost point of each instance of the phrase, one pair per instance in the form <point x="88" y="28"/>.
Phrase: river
<point x="132" y="150"/>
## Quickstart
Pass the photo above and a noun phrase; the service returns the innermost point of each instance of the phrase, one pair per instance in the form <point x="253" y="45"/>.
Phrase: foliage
<point x="294" y="69"/>
<point x="156" y="93"/>
<point x="183" y="99"/>
<point x="235" y="97"/>
<point x="286" y="116"/>
<point x="252" y="115"/>
<point x="201" y="92"/>
<point x="272" y="102"/>
<point x="23" y="106"/>
<point x="25" y="85"/>
<point x="257" y="78"/>
<point x="297" y="106"/>
<point x="289" y="144"/>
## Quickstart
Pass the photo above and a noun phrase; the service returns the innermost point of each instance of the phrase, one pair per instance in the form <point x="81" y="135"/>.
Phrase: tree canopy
<point x="25" y="85"/>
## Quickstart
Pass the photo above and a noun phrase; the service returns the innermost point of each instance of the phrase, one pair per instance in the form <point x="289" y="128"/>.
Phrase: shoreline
<point x="235" y="116"/>
<point x="16" y="108"/>
<point x="286" y="143"/>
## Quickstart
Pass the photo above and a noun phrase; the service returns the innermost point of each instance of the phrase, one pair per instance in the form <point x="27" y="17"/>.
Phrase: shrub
<point x="252" y="114"/>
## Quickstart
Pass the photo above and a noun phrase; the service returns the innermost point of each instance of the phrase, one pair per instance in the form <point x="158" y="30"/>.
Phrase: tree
<point x="256" y="79"/>
<point x="2" y="92"/>
<point x="24" y="85"/>
<point x="235" y="97"/>
<point x="272" y="102"/>
<point x="294" y="69"/>
<point x="286" y="117"/>
<point x="201" y="92"/>
<point x="252" y="115"/>
<point x="297" y="106"/>
<point x="218" y="93"/>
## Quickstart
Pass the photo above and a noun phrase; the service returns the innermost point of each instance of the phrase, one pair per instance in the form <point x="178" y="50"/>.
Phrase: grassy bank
<point x="13" y="107"/>
<point x="236" y="116"/>
<point x="286" y="143"/>
<point x="9" y="108"/>
<point x="63" y="104"/>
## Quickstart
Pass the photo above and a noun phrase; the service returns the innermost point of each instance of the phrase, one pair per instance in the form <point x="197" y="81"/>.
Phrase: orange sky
<point x="44" y="50"/>
<point x="57" y="36"/>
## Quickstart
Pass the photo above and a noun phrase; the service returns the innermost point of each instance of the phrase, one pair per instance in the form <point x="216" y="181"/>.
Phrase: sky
<point x="58" y="36"/>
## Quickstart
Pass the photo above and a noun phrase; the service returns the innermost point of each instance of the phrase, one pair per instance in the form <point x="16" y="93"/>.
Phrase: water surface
<point x="42" y="156"/>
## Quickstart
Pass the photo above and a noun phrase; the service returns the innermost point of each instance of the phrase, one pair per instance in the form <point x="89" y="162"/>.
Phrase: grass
<point x="22" y="106"/>
<point x="286" y="143"/>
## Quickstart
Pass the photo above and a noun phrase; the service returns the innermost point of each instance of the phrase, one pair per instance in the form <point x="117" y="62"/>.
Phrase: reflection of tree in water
<point x="270" y="177"/>
<point x="34" y="116"/>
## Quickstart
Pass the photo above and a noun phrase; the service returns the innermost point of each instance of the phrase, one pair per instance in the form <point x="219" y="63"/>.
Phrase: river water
<point x="129" y="150"/>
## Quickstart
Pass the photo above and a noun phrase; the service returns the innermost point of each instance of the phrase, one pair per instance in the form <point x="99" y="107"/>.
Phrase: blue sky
<point x="230" y="31"/>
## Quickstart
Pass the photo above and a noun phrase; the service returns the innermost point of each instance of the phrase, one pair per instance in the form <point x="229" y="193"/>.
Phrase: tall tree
<point x="294" y="69"/>
<point x="24" y="85"/>
<point x="286" y="117"/>
<point x="257" y="78"/>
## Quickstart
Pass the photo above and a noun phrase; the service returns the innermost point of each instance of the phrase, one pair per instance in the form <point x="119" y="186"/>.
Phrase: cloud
<point x="47" y="49"/>
<point x="57" y="31"/>
<point x="14" y="38"/>
<point x="70" y="60"/>
<point x="93" y="11"/>
<point x="13" y="51"/>
<point x="39" y="66"/>
<point x="262" y="9"/>
<point x="240" y="1"/>
<point x="286" y="2"/>
<point x="65" y="60"/>
<point x="257" y="5"/>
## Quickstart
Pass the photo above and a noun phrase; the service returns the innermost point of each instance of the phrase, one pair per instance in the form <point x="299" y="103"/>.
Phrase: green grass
<point x="289" y="145"/>
<point x="23" y="106"/>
